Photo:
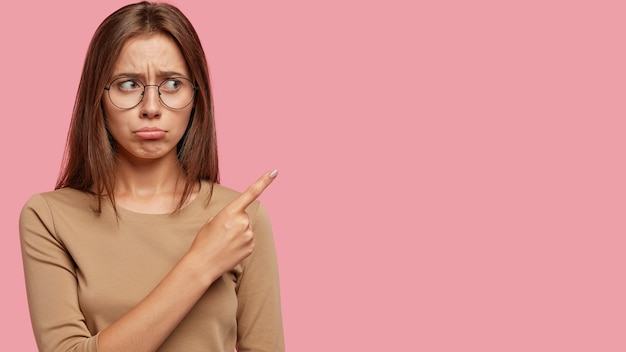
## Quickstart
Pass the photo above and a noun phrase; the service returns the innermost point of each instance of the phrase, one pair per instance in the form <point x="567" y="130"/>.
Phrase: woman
<point x="139" y="248"/>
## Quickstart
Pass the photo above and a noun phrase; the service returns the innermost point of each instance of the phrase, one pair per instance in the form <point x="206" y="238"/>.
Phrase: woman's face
<point x="149" y="130"/>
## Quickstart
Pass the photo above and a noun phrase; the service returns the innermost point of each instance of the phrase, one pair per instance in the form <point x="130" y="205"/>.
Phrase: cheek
<point x="115" y="122"/>
<point x="184" y="120"/>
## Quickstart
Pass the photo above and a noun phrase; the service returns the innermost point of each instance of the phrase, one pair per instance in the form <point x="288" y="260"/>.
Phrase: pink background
<point x="452" y="172"/>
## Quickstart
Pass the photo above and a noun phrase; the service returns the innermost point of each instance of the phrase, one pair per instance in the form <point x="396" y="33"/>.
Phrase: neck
<point x="151" y="176"/>
<point x="152" y="186"/>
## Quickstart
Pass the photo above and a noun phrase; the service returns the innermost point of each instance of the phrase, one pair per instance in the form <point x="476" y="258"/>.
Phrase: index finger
<point x="253" y="192"/>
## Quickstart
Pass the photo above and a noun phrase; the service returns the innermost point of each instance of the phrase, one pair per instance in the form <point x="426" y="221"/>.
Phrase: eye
<point x="128" y="85"/>
<point x="171" y="85"/>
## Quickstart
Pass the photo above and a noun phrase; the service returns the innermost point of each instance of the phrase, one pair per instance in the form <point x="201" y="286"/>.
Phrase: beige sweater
<point x="84" y="271"/>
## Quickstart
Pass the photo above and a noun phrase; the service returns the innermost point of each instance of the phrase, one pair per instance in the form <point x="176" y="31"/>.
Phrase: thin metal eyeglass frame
<point x="143" y="91"/>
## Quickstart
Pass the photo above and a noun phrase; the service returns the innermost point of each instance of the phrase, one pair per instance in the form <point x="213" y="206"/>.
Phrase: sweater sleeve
<point x="51" y="284"/>
<point x="259" y="317"/>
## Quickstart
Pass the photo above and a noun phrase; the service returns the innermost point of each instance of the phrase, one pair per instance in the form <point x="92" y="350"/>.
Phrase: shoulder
<point x="222" y="192"/>
<point x="61" y="200"/>
<point x="222" y="196"/>
<point x="63" y="197"/>
<point x="43" y="212"/>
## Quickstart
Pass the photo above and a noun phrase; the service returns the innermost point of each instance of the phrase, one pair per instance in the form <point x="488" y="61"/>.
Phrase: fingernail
<point x="273" y="174"/>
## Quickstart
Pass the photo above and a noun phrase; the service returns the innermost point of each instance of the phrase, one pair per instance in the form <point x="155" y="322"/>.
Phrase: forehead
<point x="150" y="54"/>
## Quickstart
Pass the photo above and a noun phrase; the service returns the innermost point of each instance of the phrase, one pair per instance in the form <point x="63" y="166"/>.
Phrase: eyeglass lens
<point x="175" y="93"/>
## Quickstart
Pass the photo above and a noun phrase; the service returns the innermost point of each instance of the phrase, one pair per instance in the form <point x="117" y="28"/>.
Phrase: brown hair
<point x="88" y="163"/>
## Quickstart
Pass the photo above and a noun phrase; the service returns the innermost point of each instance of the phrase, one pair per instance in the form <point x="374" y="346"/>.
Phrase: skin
<point x="150" y="58"/>
<point x="147" y="180"/>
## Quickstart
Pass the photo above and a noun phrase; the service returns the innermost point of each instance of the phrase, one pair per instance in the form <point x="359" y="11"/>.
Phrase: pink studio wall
<point x="452" y="172"/>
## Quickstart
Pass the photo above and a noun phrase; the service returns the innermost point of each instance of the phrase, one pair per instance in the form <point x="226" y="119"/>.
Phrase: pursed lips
<point x="150" y="133"/>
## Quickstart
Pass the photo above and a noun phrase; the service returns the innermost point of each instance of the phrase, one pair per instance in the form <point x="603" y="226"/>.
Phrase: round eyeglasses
<point x="175" y="93"/>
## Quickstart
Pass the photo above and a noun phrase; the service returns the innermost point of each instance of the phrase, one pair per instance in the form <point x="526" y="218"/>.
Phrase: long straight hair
<point x="89" y="159"/>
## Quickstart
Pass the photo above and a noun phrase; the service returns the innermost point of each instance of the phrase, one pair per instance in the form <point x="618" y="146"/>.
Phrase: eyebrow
<point x="170" y="74"/>
<point x="160" y="74"/>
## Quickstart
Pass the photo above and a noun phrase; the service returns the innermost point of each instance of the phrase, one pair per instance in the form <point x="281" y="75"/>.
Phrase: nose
<point x="150" y="104"/>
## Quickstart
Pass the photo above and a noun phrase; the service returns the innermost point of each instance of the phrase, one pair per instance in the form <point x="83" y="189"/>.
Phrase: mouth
<point x="149" y="133"/>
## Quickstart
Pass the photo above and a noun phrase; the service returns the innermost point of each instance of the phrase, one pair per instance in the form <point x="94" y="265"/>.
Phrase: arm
<point x="51" y="284"/>
<point x="259" y="318"/>
<point x="58" y="323"/>
<point x="52" y="287"/>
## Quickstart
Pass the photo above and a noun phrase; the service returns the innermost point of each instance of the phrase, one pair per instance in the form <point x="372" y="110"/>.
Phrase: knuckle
<point x="243" y="221"/>
<point x="242" y="226"/>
